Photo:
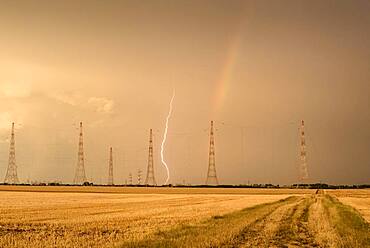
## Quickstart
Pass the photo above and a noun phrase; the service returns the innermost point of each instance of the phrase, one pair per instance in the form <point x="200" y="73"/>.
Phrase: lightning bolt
<point x="165" y="138"/>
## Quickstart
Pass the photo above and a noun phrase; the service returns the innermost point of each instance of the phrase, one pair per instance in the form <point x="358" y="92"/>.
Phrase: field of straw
<point x="165" y="217"/>
<point x="358" y="199"/>
<point x="44" y="219"/>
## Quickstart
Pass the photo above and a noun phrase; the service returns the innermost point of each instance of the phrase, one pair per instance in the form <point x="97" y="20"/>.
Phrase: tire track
<point x="316" y="220"/>
<point x="221" y="231"/>
<point x="261" y="231"/>
<point x="293" y="230"/>
<point x="285" y="226"/>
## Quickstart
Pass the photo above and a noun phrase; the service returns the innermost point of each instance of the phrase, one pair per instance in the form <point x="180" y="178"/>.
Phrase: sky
<point x="254" y="67"/>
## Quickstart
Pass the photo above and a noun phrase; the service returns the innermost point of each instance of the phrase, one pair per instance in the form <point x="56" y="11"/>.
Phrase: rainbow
<point x="223" y="84"/>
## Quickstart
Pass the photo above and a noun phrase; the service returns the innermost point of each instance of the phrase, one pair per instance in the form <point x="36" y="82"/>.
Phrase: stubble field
<point x="173" y="217"/>
<point x="358" y="199"/>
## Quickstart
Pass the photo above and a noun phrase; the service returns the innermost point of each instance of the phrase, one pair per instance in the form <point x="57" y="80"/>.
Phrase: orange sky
<point x="255" y="67"/>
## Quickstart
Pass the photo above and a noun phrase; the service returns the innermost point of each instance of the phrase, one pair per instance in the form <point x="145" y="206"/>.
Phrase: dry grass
<point x="155" y="190"/>
<point x="361" y="204"/>
<point x="44" y="219"/>
<point x="173" y="217"/>
<point x="305" y="221"/>
<point x="351" y="228"/>
<point x="320" y="224"/>
<point x="219" y="231"/>
<point x="358" y="199"/>
<point x="349" y="192"/>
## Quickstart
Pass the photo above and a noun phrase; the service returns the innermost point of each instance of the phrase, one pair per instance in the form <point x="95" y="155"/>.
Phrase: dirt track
<point x="302" y="222"/>
<point x="285" y="226"/>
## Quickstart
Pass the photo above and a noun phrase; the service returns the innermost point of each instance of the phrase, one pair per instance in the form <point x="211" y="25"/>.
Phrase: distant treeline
<point x="259" y="186"/>
<point x="328" y="186"/>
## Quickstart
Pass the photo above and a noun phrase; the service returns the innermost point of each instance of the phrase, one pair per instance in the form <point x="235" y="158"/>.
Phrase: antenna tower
<point x="139" y="176"/>
<point x="80" y="176"/>
<point x="211" y="175"/>
<point x="150" y="180"/>
<point x="110" y="172"/>
<point x="130" y="179"/>
<point x="11" y="173"/>
<point x="303" y="173"/>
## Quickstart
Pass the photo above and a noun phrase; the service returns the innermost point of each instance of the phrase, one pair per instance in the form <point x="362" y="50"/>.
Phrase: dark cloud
<point x="256" y="67"/>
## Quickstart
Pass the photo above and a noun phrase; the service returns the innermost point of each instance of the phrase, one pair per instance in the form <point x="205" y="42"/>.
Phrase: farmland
<point x="173" y="217"/>
<point x="358" y="199"/>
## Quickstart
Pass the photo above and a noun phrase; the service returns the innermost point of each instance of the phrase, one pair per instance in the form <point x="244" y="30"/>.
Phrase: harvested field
<point x="155" y="190"/>
<point x="361" y="204"/>
<point x="92" y="219"/>
<point x="358" y="199"/>
<point x="75" y="219"/>
<point x="298" y="221"/>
